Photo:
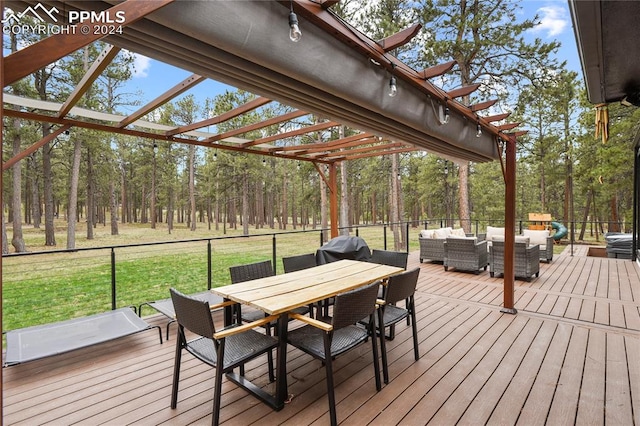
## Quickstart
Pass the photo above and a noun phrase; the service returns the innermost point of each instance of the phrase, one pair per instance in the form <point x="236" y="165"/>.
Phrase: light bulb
<point x="393" y="88"/>
<point x="478" y="131"/>
<point x="294" y="31"/>
<point x="446" y="115"/>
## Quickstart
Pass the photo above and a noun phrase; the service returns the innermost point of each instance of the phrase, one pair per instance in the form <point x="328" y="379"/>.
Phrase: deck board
<point x="569" y="356"/>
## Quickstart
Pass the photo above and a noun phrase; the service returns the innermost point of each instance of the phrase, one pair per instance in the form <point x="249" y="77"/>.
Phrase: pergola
<point x="335" y="73"/>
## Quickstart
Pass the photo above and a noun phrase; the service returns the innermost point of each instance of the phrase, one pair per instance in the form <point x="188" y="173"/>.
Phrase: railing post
<point x="273" y="251"/>
<point x="357" y="231"/>
<point x="406" y="239"/>
<point x="113" y="279"/>
<point x="321" y="239"/>
<point x="384" y="233"/>
<point x="208" y="264"/>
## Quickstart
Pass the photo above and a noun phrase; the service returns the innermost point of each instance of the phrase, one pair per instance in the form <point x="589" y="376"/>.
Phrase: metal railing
<point x="49" y="286"/>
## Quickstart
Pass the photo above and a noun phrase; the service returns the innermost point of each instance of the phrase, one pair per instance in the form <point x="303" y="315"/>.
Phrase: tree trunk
<point x="394" y="202"/>
<point x="245" y="204"/>
<point x="344" y="192"/>
<point x="123" y="193"/>
<point x="72" y="218"/>
<point x="90" y="196"/>
<point x="614" y="222"/>
<point x="113" y="208"/>
<point x="463" y="197"/>
<point x="585" y="217"/>
<point x="324" y="217"/>
<point x="5" y="243"/>
<point x="192" y="186"/>
<point x="36" y="213"/>
<point x="154" y="216"/>
<point x="285" y="204"/>
<point x="47" y="176"/>
<point x="17" y="241"/>
<point x="170" y="211"/>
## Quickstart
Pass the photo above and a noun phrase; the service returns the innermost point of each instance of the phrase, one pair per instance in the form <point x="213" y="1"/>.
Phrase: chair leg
<point x="383" y="346"/>
<point x="272" y="376"/>
<point x="329" y="371"/>
<point x="176" y="370"/>
<point x="374" y="344"/>
<point x="416" y="352"/>
<point x="217" y="388"/>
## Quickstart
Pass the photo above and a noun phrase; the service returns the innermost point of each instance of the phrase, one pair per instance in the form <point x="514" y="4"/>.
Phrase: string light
<point x="446" y="117"/>
<point x="294" y="30"/>
<point x="393" y="84"/>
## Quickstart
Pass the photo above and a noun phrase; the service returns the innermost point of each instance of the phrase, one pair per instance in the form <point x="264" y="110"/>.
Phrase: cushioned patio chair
<point x="526" y="261"/>
<point x="431" y="249"/>
<point x="223" y="350"/>
<point x="465" y="254"/>
<point x="325" y="341"/>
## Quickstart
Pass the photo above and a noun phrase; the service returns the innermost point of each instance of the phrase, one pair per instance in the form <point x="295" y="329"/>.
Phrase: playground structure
<point x="542" y="221"/>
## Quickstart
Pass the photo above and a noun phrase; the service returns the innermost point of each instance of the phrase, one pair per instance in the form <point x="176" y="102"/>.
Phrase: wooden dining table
<point x="279" y="294"/>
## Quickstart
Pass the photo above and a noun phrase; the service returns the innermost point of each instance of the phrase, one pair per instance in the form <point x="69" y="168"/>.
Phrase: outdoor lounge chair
<point x="223" y="350"/>
<point x="465" y="254"/>
<point x="431" y="249"/>
<point x="526" y="262"/>
<point x="325" y="341"/>
<point x="40" y="341"/>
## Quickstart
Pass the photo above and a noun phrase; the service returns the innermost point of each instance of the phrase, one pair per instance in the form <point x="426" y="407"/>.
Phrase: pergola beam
<point x="437" y="70"/>
<point x="102" y="62"/>
<point x="38" y="55"/>
<point x="256" y="126"/>
<point x="176" y="90"/>
<point x="292" y="133"/>
<point x="400" y="38"/>
<point x="243" y="109"/>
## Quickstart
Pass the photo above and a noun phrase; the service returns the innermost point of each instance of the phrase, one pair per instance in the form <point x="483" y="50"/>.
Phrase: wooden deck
<point x="570" y="356"/>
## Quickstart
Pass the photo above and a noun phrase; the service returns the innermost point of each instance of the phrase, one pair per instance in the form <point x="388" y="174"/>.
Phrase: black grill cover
<point x="343" y="247"/>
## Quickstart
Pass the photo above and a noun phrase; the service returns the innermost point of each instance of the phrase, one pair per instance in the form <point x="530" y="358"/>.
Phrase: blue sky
<point x="153" y="78"/>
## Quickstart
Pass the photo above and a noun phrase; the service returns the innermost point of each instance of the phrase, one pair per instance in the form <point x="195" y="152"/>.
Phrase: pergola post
<point x="510" y="226"/>
<point x="333" y="199"/>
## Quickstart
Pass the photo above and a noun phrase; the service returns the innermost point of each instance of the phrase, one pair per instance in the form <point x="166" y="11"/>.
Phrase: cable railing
<point x="49" y="286"/>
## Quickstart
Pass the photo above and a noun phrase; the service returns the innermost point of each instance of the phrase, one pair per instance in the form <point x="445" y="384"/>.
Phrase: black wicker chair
<point x="299" y="262"/>
<point x="253" y="271"/>
<point x="391" y="258"/>
<point x="325" y="341"/>
<point x="248" y="272"/>
<point x="224" y="350"/>
<point x="399" y="287"/>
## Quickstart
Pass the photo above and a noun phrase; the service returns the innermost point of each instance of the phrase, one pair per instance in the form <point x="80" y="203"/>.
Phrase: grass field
<point x="49" y="287"/>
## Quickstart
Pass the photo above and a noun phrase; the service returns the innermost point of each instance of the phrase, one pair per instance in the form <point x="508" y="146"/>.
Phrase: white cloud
<point x="553" y="20"/>
<point x="141" y="65"/>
